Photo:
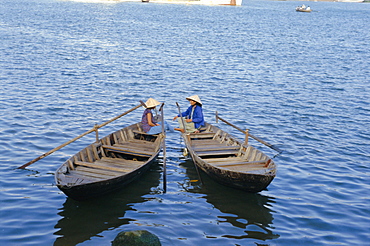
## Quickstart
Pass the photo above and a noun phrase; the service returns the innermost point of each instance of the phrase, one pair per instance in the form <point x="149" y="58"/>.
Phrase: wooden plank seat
<point x="137" y="141"/>
<point x="202" y="135"/>
<point x="203" y="142"/>
<point x="237" y="161"/>
<point x="209" y="146"/>
<point x="94" y="173"/>
<point x="244" y="168"/>
<point x="145" y="136"/>
<point x="99" y="166"/>
<point x="202" y="129"/>
<point x="218" y="152"/>
<point x="129" y="165"/>
<point x="246" y="163"/>
<point x="128" y="150"/>
<point x="139" y="145"/>
<point x="144" y="133"/>
<point x="216" y="148"/>
<point x="119" y="162"/>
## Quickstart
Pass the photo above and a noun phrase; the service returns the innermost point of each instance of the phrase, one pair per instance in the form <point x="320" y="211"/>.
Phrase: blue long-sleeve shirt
<point x="197" y="118"/>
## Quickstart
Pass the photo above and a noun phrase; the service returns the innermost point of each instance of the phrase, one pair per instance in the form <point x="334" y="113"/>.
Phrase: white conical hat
<point x="151" y="103"/>
<point x="195" y="98"/>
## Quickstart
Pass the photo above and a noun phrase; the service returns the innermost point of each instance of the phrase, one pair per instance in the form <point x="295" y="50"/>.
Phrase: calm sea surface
<point x="297" y="80"/>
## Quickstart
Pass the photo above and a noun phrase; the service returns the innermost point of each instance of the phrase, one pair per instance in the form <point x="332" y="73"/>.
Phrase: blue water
<point x="299" y="81"/>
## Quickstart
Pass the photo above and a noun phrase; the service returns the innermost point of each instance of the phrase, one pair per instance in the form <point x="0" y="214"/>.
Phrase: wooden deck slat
<point x="78" y="179"/>
<point x="95" y="152"/>
<point x="89" y="155"/>
<point x="89" y="177"/>
<point x="98" y="172"/>
<point x="86" y="175"/>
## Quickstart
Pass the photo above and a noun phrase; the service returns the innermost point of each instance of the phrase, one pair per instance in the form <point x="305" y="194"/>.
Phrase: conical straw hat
<point x="151" y="103"/>
<point x="195" y="98"/>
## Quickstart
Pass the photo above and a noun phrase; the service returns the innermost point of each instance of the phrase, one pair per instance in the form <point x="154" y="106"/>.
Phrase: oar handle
<point x="161" y="108"/>
<point x="142" y="103"/>
<point x="164" y="150"/>
<point x="230" y="124"/>
<point x="247" y="132"/>
<point x="182" y="118"/>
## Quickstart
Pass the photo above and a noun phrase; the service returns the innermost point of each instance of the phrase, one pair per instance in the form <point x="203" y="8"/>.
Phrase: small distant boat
<point x="303" y="9"/>
<point x="228" y="160"/>
<point x="109" y="164"/>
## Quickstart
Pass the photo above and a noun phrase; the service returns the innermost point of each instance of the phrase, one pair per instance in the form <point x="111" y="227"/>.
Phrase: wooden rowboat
<point x="109" y="164"/>
<point x="229" y="161"/>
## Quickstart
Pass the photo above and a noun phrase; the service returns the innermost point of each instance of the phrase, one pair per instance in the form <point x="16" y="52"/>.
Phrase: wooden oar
<point x="142" y="103"/>
<point x="164" y="150"/>
<point x="256" y="138"/>
<point x="96" y="127"/>
<point x="183" y="123"/>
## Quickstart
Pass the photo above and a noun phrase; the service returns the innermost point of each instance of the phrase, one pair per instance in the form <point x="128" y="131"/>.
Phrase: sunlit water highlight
<point x="297" y="80"/>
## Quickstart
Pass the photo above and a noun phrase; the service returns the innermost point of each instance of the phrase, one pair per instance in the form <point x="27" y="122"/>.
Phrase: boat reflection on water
<point x="82" y="220"/>
<point x="251" y="212"/>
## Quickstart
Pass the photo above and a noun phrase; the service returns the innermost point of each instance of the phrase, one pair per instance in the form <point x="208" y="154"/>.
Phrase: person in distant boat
<point x="148" y="122"/>
<point x="193" y="116"/>
<point x="308" y="8"/>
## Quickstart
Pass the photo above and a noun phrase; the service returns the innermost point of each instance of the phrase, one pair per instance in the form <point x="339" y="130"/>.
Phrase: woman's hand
<point x="174" y="118"/>
<point x="188" y="120"/>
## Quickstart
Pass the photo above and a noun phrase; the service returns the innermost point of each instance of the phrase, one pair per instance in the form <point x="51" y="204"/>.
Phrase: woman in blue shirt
<point x="193" y="116"/>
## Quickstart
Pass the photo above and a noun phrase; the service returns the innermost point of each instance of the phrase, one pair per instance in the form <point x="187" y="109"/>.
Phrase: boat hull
<point x="245" y="178"/>
<point x="97" y="189"/>
<point x="243" y="181"/>
<point x="109" y="164"/>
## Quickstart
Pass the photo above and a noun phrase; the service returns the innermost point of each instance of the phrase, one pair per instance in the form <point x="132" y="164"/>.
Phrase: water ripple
<point x="66" y="66"/>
